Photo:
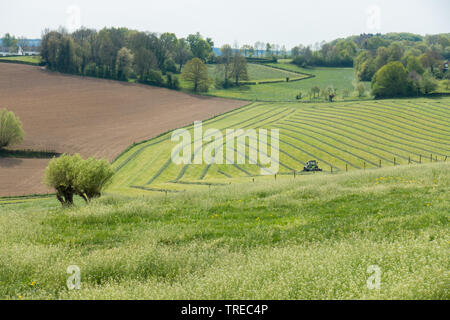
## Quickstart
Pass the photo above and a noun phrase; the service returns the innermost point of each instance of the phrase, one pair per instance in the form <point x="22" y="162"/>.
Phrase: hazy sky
<point x="287" y="22"/>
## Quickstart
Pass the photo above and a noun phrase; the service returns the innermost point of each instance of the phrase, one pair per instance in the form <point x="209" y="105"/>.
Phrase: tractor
<point x="311" y="165"/>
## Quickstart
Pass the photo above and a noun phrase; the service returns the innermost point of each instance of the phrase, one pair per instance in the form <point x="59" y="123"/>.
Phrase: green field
<point x="341" y="136"/>
<point x="339" y="78"/>
<point x="197" y="231"/>
<point x="258" y="72"/>
<point x="313" y="237"/>
<point x="33" y="60"/>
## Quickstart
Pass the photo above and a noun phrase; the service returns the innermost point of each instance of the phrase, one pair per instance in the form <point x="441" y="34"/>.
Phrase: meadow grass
<point x="312" y="237"/>
<point x="339" y="78"/>
<point x="33" y="60"/>
<point x="255" y="72"/>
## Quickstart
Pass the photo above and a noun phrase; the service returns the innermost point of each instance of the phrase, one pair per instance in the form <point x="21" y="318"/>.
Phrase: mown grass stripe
<point x="160" y="171"/>
<point x="439" y="106"/>
<point x="320" y="121"/>
<point x="201" y="183"/>
<point x="293" y="111"/>
<point x="242" y="169"/>
<point x="146" y="167"/>
<point x="332" y="146"/>
<point x="205" y="171"/>
<point x="356" y="116"/>
<point x="224" y="173"/>
<point x="322" y="150"/>
<point x="137" y="152"/>
<point x="154" y="189"/>
<point x="367" y="109"/>
<point x="185" y="167"/>
<point x="310" y="154"/>
<point x="213" y="120"/>
<point x="430" y="109"/>
<point x="183" y="170"/>
<point x="413" y="113"/>
<point x="232" y="113"/>
<point x="340" y="141"/>
<point x="379" y="130"/>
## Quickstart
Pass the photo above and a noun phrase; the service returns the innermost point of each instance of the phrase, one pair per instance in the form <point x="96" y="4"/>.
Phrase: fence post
<point x="394" y="161"/>
<point x="294" y="174"/>
<point x="431" y="157"/>
<point x="275" y="176"/>
<point x="409" y="160"/>
<point x="420" y="158"/>
<point x="364" y="166"/>
<point x="346" y="167"/>
<point x="331" y="167"/>
<point x="445" y="159"/>
<point x="380" y="163"/>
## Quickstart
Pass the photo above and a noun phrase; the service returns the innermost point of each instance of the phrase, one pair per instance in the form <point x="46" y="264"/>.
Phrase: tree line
<point x="403" y="66"/>
<point x="120" y="53"/>
<point x="123" y="54"/>
<point x="397" y="64"/>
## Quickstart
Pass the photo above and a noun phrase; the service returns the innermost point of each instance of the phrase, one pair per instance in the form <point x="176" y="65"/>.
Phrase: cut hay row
<point x="333" y="146"/>
<point x="402" y="139"/>
<point x="379" y="127"/>
<point x="183" y="170"/>
<point x="417" y="120"/>
<point x="340" y="140"/>
<point x="341" y="137"/>
<point x="195" y="153"/>
<point x="416" y="111"/>
<point x="393" y="124"/>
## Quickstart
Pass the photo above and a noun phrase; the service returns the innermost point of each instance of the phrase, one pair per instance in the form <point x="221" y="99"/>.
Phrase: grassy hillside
<point x="256" y="72"/>
<point x="340" y="78"/>
<point x="32" y="60"/>
<point x="309" y="238"/>
<point x="341" y="136"/>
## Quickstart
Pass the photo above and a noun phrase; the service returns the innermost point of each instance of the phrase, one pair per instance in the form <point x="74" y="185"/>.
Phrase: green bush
<point x="153" y="77"/>
<point x="61" y="174"/>
<point x="71" y="175"/>
<point x="390" y="81"/>
<point x="170" y="66"/>
<point x="172" y="81"/>
<point x="11" y="131"/>
<point x="91" y="70"/>
<point x="92" y="177"/>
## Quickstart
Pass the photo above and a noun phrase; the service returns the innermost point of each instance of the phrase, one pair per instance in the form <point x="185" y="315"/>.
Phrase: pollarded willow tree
<point x="71" y="175"/>
<point x="11" y="131"/>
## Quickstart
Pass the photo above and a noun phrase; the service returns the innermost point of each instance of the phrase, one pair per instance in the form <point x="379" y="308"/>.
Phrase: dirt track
<point x="93" y="117"/>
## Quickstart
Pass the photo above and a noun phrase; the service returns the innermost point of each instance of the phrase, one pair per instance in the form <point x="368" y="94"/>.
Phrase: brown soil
<point x="93" y="117"/>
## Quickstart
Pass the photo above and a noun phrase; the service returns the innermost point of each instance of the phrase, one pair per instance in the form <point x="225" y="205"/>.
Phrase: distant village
<point x="20" y="47"/>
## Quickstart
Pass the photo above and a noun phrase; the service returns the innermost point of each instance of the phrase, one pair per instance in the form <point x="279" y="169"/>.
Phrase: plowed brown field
<point x="93" y="117"/>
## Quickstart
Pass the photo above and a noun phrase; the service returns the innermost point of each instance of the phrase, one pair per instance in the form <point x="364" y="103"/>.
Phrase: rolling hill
<point x="341" y="136"/>
<point x="309" y="238"/>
